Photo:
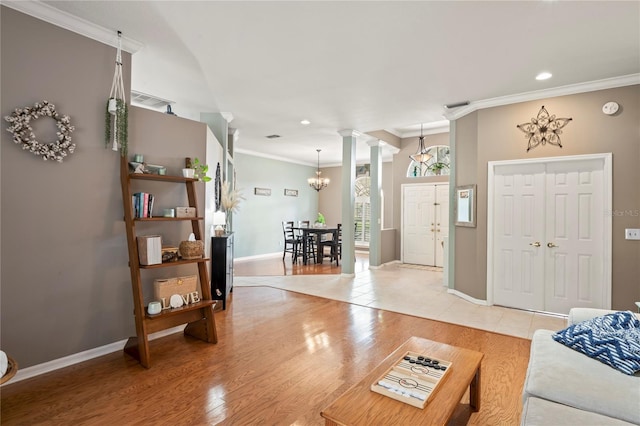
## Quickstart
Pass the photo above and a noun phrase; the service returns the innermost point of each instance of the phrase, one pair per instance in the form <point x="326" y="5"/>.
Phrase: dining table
<point x="318" y="231"/>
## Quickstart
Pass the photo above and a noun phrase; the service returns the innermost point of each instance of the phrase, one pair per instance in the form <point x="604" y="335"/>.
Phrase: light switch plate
<point x="632" y="234"/>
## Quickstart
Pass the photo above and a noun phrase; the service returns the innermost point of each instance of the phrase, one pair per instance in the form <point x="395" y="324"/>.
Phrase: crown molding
<point x="349" y="133"/>
<point x="432" y="128"/>
<point x="271" y="157"/>
<point x="571" y="89"/>
<point x="65" y="20"/>
<point x="394" y="132"/>
<point x="390" y="148"/>
<point x="227" y="116"/>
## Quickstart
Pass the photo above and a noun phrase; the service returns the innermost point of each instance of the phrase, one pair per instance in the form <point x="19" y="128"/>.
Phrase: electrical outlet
<point x="632" y="234"/>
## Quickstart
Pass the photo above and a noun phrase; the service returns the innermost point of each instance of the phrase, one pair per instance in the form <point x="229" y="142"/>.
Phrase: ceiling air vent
<point x="149" y="101"/>
<point x="273" y="136"/>
<point x="457" y="105"/>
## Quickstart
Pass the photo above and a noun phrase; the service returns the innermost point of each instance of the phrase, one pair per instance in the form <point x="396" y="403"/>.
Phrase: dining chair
<point x="311" y="241"/>
<point x="335" y="246"/>
<point x="290" y="241"/>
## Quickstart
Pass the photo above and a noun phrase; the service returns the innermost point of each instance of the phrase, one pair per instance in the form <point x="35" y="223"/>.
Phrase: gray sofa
<point x="565" y="387"/>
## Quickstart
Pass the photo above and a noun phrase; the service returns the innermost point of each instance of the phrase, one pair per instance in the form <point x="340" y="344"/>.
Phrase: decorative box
<point x="169" y="254"/>
<point x="150" y="249"/>
<point x="185" y="212"/>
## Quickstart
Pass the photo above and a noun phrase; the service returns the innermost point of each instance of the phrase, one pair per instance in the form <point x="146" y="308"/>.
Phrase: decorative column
<point x="375" y="243"/>
<point x="348" y="200"/>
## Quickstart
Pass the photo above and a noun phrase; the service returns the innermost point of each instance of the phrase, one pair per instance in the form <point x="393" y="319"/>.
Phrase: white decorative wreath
<point x="23" y="132"/>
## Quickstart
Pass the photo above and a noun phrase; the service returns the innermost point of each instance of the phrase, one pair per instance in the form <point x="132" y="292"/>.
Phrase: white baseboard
<point x="258" y="257"/>
<point x="467" y="297"/>
<point x="46" y="367"/>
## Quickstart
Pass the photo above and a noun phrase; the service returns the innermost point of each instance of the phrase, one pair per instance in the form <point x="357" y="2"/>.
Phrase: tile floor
<point x="413" y="291"/>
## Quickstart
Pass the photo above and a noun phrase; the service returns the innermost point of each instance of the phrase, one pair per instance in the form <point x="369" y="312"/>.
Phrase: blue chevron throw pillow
<point x="613" y="339"/>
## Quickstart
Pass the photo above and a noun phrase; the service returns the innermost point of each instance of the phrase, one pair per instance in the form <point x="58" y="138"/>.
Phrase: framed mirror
<point x="466" y="206"/>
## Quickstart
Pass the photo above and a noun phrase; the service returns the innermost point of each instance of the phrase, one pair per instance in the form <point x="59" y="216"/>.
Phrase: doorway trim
<point x="607" y="197"/>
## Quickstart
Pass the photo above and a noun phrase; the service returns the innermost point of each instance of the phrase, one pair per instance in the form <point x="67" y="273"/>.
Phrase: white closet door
<point x="518" y="236"/>
<point x="549" y="235"/>
<point x="574" y="229"/>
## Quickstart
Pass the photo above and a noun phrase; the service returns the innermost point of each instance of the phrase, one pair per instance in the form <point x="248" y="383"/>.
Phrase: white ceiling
<point x="356" y="64"/>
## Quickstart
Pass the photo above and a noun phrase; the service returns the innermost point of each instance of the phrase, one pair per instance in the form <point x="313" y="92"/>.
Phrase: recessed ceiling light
<point x="305" y="122"/>
<point x="543" y="76"/>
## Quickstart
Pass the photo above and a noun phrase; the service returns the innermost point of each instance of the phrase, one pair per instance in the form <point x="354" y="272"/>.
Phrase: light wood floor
<point x="281" y="358"/>
<point x="277" y="266"/>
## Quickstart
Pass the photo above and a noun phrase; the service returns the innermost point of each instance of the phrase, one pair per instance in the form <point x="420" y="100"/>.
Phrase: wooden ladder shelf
<point x="198" y="317"/>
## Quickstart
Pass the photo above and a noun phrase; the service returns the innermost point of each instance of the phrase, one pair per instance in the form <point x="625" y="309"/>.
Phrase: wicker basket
<point x="191" y="249"/>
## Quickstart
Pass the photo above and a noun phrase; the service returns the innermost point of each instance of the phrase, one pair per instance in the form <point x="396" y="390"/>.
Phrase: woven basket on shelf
<point x="191" y="249"/>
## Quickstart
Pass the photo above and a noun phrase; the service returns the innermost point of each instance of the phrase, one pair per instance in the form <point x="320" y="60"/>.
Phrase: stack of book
<point x="142" y="204"/>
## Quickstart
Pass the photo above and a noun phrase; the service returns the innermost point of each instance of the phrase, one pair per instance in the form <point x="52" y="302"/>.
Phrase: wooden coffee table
<point x="361" y="406"/>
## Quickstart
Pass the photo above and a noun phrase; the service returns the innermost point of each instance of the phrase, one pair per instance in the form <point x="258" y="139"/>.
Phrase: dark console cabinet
<point x="222" y="268"/>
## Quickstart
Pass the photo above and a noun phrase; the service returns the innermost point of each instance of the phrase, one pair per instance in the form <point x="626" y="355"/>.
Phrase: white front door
<point x="550" y="235"/>
<point x="417" y="238"/>
<point x="425" y="223"/>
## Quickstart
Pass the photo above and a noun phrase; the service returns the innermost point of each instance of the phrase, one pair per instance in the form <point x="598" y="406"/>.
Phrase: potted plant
<point x="320" y="221"/>
<point x="437" y="168"/>
<point x="200" y="171"/>
<point x="196" y="170"/>
<point x="117" y="110"/>
<point x="117" y="125"/>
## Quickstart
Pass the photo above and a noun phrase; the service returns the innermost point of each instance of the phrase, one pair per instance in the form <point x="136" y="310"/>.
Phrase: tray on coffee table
<point x="412" y="379"/>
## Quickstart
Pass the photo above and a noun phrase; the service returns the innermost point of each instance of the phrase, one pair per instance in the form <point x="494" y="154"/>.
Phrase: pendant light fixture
<point x="421" y="156"/>
<point x="317" y="182"/>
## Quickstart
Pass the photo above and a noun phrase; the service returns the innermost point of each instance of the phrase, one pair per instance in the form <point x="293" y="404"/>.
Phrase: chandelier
<point x="421" y="156"/>
<point x="317" y="182"/>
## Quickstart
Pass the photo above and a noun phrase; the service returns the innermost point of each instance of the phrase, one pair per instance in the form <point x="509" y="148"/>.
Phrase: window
<point x="437" y="165"/>
<point x="362" y="211"/>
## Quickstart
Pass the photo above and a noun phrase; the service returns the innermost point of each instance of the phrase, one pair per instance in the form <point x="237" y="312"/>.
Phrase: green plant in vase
<point x="200" y="170"/>
<point x="437" y="168"/>
<point x="117" y="125"/>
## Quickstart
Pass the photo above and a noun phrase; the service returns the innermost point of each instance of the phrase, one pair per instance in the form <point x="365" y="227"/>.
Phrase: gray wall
<point x="64" y="282"/>
<point x="491" y="134"/>
<point x="64" y="265"/>
<point x="258" y="224"/>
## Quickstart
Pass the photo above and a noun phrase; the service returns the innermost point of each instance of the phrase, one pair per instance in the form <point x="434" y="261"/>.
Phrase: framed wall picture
<point x="291" y="192"/>
<point x="465" y="212"/>
<point x="262" y="191"/>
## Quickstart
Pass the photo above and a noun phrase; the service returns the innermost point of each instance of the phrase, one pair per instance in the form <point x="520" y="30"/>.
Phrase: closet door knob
<point x="551" y="245"/>
<point x="536" y="244"/>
